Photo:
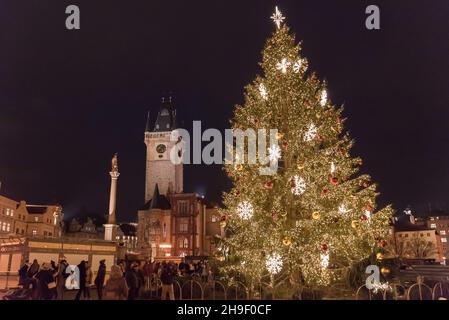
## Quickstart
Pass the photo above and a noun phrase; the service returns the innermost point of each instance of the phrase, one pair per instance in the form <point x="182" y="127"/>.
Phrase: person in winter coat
<point x="132" y="280"/>
<point x="168" y="274"/>
<point x="116" y="287"/>
<point x="99" y="279"/>
<point x="33" y="269"/>
<point x="82" y="284"/>
<point x="44" y="277"/>
<point x="61" y="277"/>
<point x="89" y="275"/>
<point x="23" y="272"/>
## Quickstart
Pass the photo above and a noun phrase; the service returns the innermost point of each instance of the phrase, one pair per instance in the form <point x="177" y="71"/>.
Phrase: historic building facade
<point x="172" y="223"/>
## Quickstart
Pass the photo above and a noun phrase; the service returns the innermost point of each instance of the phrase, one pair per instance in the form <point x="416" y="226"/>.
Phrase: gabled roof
<point x="157" y="202"/>
<point x="405" y="222"/>
<point x="36" y="209"/>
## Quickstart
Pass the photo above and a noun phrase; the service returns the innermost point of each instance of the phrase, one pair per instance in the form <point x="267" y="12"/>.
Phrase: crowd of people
<point x="127" y="280"/>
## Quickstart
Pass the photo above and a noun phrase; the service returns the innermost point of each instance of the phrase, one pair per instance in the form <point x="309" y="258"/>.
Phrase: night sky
<point x="70" y="99"/>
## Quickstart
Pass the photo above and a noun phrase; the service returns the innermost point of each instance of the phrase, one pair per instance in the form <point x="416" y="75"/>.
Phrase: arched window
<point x="186" y="243"/>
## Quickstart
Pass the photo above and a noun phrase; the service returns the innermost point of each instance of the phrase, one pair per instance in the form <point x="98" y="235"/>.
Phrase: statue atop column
<point x="114" y="166"/>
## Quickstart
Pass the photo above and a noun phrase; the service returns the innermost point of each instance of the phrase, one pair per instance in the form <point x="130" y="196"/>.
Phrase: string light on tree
<point x="245" y="210"/>
<point x="274" y="263"/>
<point x="283" y="65"/>
<point x="263" y="91"/>
<point x="310" y="133"/>
<point x="277" y="17"/>
<point x="332" y="168"/>
<point x="297" y="65"/>
<point x="298" y="186"/>
<point x="323" y="99"/>
<point x="274" y="153"/>
<point x="368" y="214"/>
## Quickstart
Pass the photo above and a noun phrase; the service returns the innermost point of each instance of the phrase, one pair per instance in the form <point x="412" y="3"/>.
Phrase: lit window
<point x="4" y="226"/>
<point x="444" y="240"/>
<point x="443" y="232"/>
<point x="183" y="225"/>
<point x="8" y="227"/>
<point x="12" y="213"/>
<point x="214" y="219"/>
<point x="34" y="233"/>
<point x="7" y="211"/>
<point x="36" y="219"/>
<point x="186" y="243"/>
<point x="433" y="225"/>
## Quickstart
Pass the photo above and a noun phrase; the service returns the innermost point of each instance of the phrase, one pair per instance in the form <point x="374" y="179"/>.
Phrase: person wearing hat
<point x="99" y="279"/>
<point x="132" y="280"/>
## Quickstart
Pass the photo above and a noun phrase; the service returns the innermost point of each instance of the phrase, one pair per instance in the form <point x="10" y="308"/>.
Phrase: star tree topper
<point x="277" y="17"/>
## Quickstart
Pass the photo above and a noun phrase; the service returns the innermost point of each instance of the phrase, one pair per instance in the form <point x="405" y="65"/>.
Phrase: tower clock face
<point x="161" y="148"/>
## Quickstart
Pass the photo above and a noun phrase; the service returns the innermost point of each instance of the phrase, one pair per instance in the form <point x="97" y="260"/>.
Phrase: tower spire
<point x="148" y="125"/>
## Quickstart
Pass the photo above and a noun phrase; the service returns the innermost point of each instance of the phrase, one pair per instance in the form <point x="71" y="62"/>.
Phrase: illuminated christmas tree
<point x="316" y="217"/>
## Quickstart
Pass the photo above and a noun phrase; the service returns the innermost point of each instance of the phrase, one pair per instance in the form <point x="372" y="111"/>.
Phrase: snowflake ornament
<point x="310" y="133"/>
<point x="324" y="257"/>
<point x="274" y="153"/>
<point x="297" y="65"/>
<point x="245" y="210"/>
<point x="368" y="214"/>
<point x="298" y="186"/>
<point x="274" y="263"/>
<point x="283" y="65"/>
<point x="277" y="17"/>
<point x="263" y="91"/>
<point x="343" y="209"/>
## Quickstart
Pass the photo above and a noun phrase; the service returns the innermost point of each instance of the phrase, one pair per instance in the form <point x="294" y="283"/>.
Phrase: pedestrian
<point x="89" y="275"/>
<point x="45" y="283"/>
<point x="82" y="279"/>
<point x="99" y="279"/>
<point x="33" y="269"/>
<point x="116" y="287"/>
<point x="23" y="272"/>
<point x="167" y="279"/>
<point x="132" y="280"/>
<point x="141" y="277"/>
<point x="61" y="277"/>
<point x="148" y="273"/>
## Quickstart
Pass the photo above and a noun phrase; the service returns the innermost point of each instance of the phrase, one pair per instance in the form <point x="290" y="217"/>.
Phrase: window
<point x="20" y="217"/>
<point x="214" y="219"/>
<point x="23" y="231"/>
<point x="36" y="219"/>
<point x="180" y="243"/>
<point x="12" y="213"/>
<point x="45" y="233"/>
<point x="50" y="234"/>
<point x="55" y="220"/>
<point x="34" y="233"/>
<point x="183" y="207"/>
<point x="8" y="227"/>
<point x="183" y="225"/>
<point x="17" y="231"/>
<point x="428" y="234"/>
<point x="421" y="235"/>
<point x="7" y="211"/>
<point x="443" y="232"/>
<point x="186" y="243"/>
<point x="4" y="226"/>
<point x="433" y="225"/>
<point x="444" y="240"/>
<point x="406" y="235"/>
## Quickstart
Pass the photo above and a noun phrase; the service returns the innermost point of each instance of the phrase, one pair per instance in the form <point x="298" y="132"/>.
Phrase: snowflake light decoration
<point x="245" y="210"/>
<point x="368" y="214"/>
<point x="274" y="153"/>
<point x="299" y="185"/>
<point x="376" y="286"/>
<point x="324" y="257"/>
<point x="274" y="263"/>
<point x="310" y="133"/>
<point x="283" y="65"/>
<point x="263" y="91"/>
<point x="277" y="17"/>
<point x="323" y="99"/>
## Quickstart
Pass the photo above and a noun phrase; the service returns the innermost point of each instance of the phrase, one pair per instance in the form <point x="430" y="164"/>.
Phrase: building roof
<point x="36" y="209"/>
<point x="157" y="202"/>
<point x="166" y="117"/>
<point x="406" y="222"/>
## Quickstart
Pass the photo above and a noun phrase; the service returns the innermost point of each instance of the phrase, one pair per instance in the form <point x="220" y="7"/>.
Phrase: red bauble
<point x="383" y="243"/>
<point x="269" y="185"/>
<point x="324" y="247"/>
<point x="274" y="215"/>
<point x="365" y="184"/>
<point x="363" y="217"/>
<point x="225" y="217"/>
<point x="324" y="192"/>
<point x="285" y="144"/>
<point x="369" y="208"/>
<point x="237" y="193"/>
<point x="333" y="180"/>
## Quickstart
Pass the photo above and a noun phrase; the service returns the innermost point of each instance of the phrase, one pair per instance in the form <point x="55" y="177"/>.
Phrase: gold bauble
<point x="316" y="215"/>
<point x="287" y="241"/>
<point x="221" y="258"/>
<point x="239" y="167"/>
<point x="354" y="224"/>
<point x="222" y="224"/>
<point x="379" y="256"/>
<point x="385" y="271"/>
<point x="279" y="135"/>
<point x="301" y="166"/>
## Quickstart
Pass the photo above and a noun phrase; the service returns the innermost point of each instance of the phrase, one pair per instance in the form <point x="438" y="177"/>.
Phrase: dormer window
<point x="36" y="219"/>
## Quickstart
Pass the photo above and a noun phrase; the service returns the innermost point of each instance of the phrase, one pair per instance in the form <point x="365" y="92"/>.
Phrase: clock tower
<point x="160" y="169"/>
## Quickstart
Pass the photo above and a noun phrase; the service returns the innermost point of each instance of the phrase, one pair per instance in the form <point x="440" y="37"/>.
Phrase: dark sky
<point x="70" y="99"/>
